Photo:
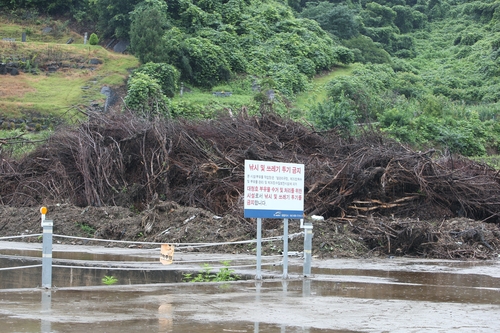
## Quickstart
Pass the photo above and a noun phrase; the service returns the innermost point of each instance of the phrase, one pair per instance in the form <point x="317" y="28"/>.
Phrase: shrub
<point x="93" y="40"/>
<point x="166" y="75"/>
<point x="145" y="97"/>
<point x="338" y="114"/>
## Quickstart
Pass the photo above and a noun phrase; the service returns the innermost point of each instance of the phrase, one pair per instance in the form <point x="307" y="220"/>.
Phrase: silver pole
<point x="259" y="249"/>
<point x="308" y="227"/>
<point x="47" y="253"/>
<point x="285" y="248"/>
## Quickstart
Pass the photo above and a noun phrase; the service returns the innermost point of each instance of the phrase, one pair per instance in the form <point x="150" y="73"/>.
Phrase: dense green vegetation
<point x="426" y="71"/>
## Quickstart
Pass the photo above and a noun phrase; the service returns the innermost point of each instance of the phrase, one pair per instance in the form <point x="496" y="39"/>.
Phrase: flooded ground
<point x="362" y="295"/>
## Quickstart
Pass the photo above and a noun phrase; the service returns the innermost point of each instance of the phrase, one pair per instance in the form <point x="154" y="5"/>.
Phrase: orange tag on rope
<point x="167" y="254"/>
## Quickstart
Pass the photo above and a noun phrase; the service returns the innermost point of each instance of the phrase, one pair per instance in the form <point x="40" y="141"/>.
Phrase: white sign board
<point x="274" y="190"/>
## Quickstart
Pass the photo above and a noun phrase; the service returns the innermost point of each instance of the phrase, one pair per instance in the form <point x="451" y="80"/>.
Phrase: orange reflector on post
<point x="43" y="210"/>
<point x="167" y="254"/>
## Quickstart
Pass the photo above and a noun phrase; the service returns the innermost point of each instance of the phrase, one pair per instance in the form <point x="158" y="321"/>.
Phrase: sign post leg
<point x="258" y="276"/>
<point x="285" y="248"/>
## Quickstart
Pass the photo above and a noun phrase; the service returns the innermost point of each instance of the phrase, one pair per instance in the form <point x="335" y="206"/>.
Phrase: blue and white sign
<point x="274" y="190"/>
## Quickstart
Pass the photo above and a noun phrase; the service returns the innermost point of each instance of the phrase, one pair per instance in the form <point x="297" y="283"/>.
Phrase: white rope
<point x="105" y="240"/>
<point x="18" y="267"/>
<point x="107" y="268"/>
<point x="183" y="245"/>
<point x="150" y="268"/>
<point x="221" y="259"/>
<point x="22" y="236"/>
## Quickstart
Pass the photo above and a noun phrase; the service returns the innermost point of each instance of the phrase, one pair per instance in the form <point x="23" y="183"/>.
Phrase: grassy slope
<point x="75" y="84"/>
<point x="317" y="93"/>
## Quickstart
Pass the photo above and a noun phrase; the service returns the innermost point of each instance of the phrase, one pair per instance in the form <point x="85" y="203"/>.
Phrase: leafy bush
<point x="93" y="40"/>
<point x="356" y="91"/>
<point x="166" y="75"/>
<point x="263" y="39"/>
<point x="343" y="55"/>
<point x="109" y="280"/>
<point x="288" y="79"/>
<point x="398" y="117"/>
<point x="206" y="61"/>
<point x="368" y="50"/>
<point x="145" y="96"/>
<point x="470" y="38"/>
<point x="334" y="114"/>
<point x="206" y="275"/>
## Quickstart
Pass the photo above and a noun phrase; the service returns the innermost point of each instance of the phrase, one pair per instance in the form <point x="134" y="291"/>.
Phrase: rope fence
<point x="19" y="267"/>
<point x="179" y="246"/>
<point x="167" y="249"/>
<point x="21" y="236"/>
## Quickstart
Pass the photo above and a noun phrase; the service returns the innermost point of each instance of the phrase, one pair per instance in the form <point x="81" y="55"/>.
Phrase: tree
<point x="206" y="60"/>
<point x="408" y="19"/>
<point x="149" y="22"/>
<point x="376" y="15"/>
<point x="114" y="19"/>
<point x="45" y="6"/>
<point x="337" y="19"/>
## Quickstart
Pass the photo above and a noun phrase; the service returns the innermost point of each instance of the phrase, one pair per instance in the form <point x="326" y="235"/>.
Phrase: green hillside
<point x="425" y="72"/>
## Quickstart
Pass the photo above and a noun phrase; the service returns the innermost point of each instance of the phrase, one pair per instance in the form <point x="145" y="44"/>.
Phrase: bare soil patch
<point x="167" y="222"/>
<point x="14" y="86"/>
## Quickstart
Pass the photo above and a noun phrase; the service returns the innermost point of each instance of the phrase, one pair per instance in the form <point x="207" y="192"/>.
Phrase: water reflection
<point x="169" y="321"/>
<point x="455" y="292"/>
<point x="166" y="316"/>
<point x="45" y="325"/>
<point x="73" y="276"/>
<point x="86" y="256"/>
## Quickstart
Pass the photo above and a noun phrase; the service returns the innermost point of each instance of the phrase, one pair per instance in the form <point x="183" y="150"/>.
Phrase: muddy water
<point x="78" y="256"/>
<point x="348" y="296"/>
<point x="76" y="277"/>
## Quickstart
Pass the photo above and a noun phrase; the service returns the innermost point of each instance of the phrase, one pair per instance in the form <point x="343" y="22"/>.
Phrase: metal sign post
<point x="273" y="190"/>
<point x="285" y="248"/>
<point x="258" y="276"/>
<point x="47" y="226"/>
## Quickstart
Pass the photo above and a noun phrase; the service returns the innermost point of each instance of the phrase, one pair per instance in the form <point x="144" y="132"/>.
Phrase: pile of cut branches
<point x="123" y="160"/>
<point x="455" y="238"/>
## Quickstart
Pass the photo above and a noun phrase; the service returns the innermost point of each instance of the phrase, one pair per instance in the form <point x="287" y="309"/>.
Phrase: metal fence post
<point x="308" y="233"/>
<point x="47" y="226"/>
